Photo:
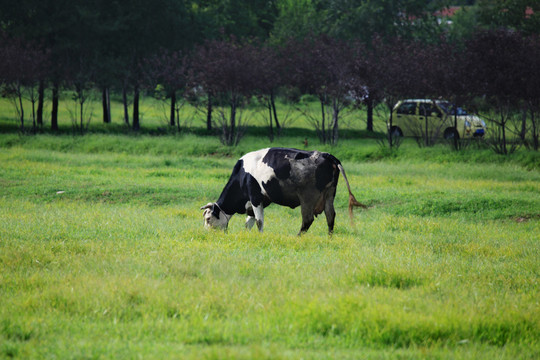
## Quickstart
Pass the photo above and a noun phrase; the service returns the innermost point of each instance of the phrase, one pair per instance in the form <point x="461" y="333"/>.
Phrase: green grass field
<point x="103" y="255"/>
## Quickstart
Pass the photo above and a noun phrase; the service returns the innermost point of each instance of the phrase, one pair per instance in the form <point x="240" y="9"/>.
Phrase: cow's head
<point x="214" y="217"/>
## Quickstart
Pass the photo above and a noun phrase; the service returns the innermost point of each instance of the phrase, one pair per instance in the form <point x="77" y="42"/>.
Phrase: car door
<point x="430" y="120"/>
<point x="406" y="117"/>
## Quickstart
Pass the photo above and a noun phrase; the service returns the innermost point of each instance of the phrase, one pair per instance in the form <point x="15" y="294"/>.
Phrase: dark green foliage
<point x="388" y="49"/>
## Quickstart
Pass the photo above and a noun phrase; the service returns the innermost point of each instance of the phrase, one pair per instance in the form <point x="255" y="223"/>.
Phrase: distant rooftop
<point x="447" y="12"/>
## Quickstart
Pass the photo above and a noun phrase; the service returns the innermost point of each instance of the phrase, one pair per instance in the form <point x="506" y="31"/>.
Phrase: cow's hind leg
<point x="330" y="213"/>
<point x="307" y="218"/>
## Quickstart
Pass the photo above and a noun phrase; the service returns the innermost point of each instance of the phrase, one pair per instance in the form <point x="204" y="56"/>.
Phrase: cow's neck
<point x="232" y="200"/>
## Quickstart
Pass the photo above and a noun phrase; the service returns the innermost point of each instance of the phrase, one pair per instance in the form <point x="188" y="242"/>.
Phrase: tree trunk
<point x="271" y="120"/>
<point x="427" y="129"/>
<point x="503" y="125"/>
<point x="209" y="113"/>
<point x="455" y="138"/>
<point x="173" y="107"/>
<point x="136" y="95"/>
<point x="232" y="129"/>
<point x="523" y="132"/>
<point x="21" y="107"/>
<point x="33" y="99"/>
<point x="125" y="102"/>
<point x="109" y="105"/>
<point x="106" y="104"/>
<point x="534" y="131"/>
<point x="335" y="124"/>
<point x="391" y="124"/>
<point x="273" y="102"/>
<point x="54" y="111"/>
<point x="41" y="100"/>
<point x="323" y="130"/>
<point x="81" y="103"/>
<point x="369" y="103"/>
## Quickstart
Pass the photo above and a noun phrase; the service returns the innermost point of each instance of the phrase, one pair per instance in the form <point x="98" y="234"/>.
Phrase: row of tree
<point x="340" y="51"/>
<point x="498" y="67"/>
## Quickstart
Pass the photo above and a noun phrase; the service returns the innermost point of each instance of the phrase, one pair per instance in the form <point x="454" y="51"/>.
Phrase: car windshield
<point x="450" y="109"/>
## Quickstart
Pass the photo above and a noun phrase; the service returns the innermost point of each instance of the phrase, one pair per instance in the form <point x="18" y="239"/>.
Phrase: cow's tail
<point x="352" y="200"/>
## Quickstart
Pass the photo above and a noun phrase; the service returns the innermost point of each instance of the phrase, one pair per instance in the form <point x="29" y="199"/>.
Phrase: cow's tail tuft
<point x="352" y="200"/>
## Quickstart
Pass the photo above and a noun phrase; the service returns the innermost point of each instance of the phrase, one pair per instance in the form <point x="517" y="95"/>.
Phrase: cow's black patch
<point x="273" y="189"/>
<point x="324" y="175"/>
<point x="215" y="211"/>
<point x="301" y="155"/>
<point x="277" y="159"/>
<point x="275" y="194"/>
<point x="235" y="194"/>
<point x="254" y="190"/>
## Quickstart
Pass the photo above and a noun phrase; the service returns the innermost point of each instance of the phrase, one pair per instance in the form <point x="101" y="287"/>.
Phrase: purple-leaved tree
<point x="168" y="71"/>
<point x="498" y="74"/>
<point x="321" y="66"/>
<point x="22" y="65"/>
<point x="226" y="69"/>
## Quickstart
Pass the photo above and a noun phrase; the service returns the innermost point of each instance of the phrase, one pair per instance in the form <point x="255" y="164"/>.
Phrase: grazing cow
<point x="287" y="177"/>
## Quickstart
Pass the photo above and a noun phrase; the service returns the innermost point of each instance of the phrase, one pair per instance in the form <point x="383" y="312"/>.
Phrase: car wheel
<point x="450" y="134"/>
<point x="396" y="131"/>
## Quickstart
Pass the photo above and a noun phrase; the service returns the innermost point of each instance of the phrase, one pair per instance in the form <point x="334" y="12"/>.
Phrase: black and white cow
<point x="287" y="177"/>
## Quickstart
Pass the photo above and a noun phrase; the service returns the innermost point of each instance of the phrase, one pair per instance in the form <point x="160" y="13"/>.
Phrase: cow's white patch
<point x="254" y="165"/>
<point x="250" y="221"/>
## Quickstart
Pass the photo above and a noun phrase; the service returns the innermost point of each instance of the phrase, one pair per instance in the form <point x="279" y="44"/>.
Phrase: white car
<point x="415" y="117"/>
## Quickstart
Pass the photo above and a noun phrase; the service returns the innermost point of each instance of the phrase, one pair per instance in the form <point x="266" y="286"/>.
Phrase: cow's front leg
<point x="250" y="221"/>
<point x="250" y="218"/>
<point x="259" y="216"/>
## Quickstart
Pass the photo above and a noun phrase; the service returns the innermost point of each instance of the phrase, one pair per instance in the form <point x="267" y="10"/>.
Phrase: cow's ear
<point x="207" y="206"/>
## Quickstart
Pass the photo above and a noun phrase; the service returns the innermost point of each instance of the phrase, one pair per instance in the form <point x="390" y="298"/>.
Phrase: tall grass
<point x="103" y="255"/>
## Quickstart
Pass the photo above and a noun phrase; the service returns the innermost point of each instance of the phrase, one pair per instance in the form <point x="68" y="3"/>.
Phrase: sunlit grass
<point x="103" y="254"/>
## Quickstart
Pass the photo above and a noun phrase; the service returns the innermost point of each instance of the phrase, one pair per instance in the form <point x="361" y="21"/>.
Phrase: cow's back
<point x="286" y="176"/>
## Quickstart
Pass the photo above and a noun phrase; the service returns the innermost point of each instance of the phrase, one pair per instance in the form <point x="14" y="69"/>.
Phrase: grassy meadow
<point x="103" y="253"/>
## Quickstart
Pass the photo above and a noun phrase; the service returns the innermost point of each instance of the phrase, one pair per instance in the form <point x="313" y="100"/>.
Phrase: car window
<point x="445" y="106"/>
<point x="460" y="111"/>
<point x="451" y="109"/>
<point x="429" y="109"/>
<point x="407" y="108"/>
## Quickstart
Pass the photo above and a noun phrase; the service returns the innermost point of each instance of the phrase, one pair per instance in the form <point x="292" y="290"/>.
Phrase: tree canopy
<point x="227" y="51"/>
